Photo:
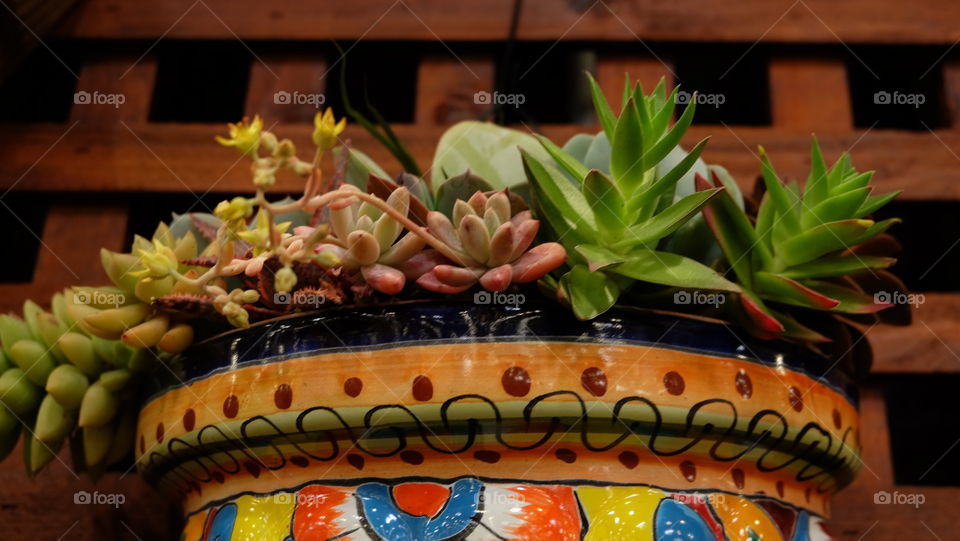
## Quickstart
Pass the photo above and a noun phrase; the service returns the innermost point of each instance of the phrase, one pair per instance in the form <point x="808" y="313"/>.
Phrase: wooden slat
<point x="177" y="157"/>
<point x="113" y="76"/>
<point x="70" y="251"/>
<point x="446" y="87"/>
<point x="930" y="344"/>
<point x="286" y="88"/>
<point x="812" y="21"/>
<point x="810" y="94"/>
<point x="951" y="84"/>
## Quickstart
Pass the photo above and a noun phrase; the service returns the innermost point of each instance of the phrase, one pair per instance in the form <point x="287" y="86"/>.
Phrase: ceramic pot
<point x="451" y="421"/>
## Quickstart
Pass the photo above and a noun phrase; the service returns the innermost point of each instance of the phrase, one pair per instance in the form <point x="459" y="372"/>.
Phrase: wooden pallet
<point x="119" y="151"/>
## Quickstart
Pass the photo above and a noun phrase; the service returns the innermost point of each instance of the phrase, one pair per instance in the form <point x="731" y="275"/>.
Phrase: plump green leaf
<point x="359" y="167"/>
<point x="606" y="201"/>
<point x="822" y="240"/>
<point x="673" y="270"/>
<point x="650" y="231"/>
<point x="488" y="150"/>
<point x="626" y="160"/>
<point x="605" y="114"/>
<point x="590" y="293"/>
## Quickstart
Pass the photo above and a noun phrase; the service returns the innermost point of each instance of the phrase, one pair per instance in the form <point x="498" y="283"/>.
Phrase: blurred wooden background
<point x="79" y="176"/>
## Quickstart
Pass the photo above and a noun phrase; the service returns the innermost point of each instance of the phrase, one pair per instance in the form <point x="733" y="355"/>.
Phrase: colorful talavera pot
<point x="449" y="421"/>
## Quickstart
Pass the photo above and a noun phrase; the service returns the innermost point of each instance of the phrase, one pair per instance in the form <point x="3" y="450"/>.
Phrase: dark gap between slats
<point x="200" y="81"/>
<point x="22" y="217"/>
<point x="41" y="89"/>
<point x="731" y="80"/>
<point x="929" y="260"/>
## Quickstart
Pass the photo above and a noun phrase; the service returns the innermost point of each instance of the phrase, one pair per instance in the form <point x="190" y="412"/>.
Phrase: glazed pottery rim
<point x="771" y="353"/>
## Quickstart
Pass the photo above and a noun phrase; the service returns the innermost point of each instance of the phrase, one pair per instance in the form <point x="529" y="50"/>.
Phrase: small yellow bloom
<point x="236" y="315"/>
<point x="157" y="263"/>
<point x="326" y="129"/>
<point x="238" y="208"/>
<point x="258" y="236"/>
<point x="246" y="137"/>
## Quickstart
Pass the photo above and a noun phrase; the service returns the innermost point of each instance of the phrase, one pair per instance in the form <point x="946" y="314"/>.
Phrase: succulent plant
<point x="492" y="247"/>
<point x="800" y="249"/>
<point x="612" y="224"/>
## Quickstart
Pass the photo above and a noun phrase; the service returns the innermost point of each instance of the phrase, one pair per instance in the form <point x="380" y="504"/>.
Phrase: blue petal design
<point x="677" y="522"/>
<point x="801" y="532"/>
<point x="222" y="527"/>
<point x="393" y="524"/>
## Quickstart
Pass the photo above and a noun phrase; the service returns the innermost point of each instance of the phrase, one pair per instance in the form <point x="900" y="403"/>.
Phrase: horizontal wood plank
<point x="183" y="157"/>
<point x="812" y="21"/>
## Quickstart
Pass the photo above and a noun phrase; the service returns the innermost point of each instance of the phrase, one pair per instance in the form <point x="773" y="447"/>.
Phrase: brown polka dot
<point x="688" y="470"/>
<point x="780" y="488"/>
<point x="283" y="396"/>
<point x="422" y="388"/>
<point x="629" y="459"/>
<point x="738" y="478"/>
<point x="299" y="461"/>
<point x="143" y="444"/>
<point x="353" y="386"/>
<point x="189" y="419"/>
<point x="516" y="381"/>
<point x="490" y="457"/>
<point x="252" y="468"/>
<point x="412" y="457"/>
<point x="566" y="455"/>
<point x="594" y="381"/>
<point x="159" y="432"/>
<point x="673" y="382"/>
<point x="743" y="384"/>
<point x="217" y="476"/>
<point x="231" y="406"/>
<point x="837" y="421"/>
<point x="356" y="461"/>
<point x="796" y="399"/>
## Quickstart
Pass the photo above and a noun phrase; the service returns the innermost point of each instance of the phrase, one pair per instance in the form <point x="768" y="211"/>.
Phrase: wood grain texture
<point x="119" y="75"/>
<point x="446" y="87"/>
<point x="282" y="86"/>
<point x="810" y="94"/>
<point x="810" y="21"/>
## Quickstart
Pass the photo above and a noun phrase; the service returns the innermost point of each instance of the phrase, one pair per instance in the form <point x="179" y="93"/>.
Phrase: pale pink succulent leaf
<point x="537" y="262"/>
<point x="497" y="278"/>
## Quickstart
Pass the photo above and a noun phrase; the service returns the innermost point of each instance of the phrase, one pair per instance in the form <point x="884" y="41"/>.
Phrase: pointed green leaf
<point x="606" y="201"/>
<point x="783" y="199"/>
<point x="838" y="207"/>
<point x="660" y="121"/>
<point x="649" y="196"/>
<point x="626" y="159"/>
<point x="826" y="267"/>
<point x="761" y="317"/>
<point x="734" y="234"/>
<point x="672" y="138"/>
<point x="822" y="240"/>
<point x="817" y="188"/>
<point x="875" y="203"/>
<point x="567" y="162"/>
<point x="651" y="231"/>
<point x="851" y="301"/>
<point x="766" y="217"/>
<point x="858" y="180"/>
<point x="672" y="270"/>
<point x="598" y="257"/>
<point x="795" y="330"/>
<point x="559" y="202"/>
<point x="779" y="288"/>
<point x="876" y="229"/>
<point x="605" y="115"/>
<point x="590" y="293"/>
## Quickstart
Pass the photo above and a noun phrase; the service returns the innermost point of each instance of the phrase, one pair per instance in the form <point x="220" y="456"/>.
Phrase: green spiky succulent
<point x="613" y="224"/>
<point x="801" y="248"/>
